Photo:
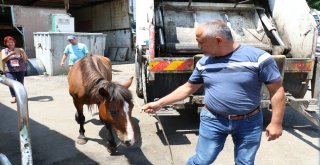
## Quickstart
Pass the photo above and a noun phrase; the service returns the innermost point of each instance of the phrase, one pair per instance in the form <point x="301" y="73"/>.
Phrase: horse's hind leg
<point x="80" y="119"/>
<point x="111" y="144"/>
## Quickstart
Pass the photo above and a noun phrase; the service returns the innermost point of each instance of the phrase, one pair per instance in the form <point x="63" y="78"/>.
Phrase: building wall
<point x="33" y="19"/>
<point x="118" y="45"/>
<point x="107" y="16"/>
<point x="111" y="18"/>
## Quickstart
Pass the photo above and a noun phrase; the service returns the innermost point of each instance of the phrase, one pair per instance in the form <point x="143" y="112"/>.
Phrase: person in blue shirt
<point x="232" y="75"/>
<point x="74" y="50"/>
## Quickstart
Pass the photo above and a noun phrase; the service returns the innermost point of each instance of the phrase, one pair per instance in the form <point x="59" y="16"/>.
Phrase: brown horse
<point x="90" y="83"/>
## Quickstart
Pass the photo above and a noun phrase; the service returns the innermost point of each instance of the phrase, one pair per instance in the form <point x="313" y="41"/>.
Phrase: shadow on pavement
<point x="122" y="62"/>
<point x="114" y="70"/>
<point x="295" y="123"/>
<point x="176" y="127"/>
<point x="134" y="153"/>
<point x="41" y="98"/>
<point x="48" y="146"/>
<point x="188" y="122"/>
<point x="94" y="121"/>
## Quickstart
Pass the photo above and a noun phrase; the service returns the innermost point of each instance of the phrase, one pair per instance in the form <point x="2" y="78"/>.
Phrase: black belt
<point x="235" y="117"/>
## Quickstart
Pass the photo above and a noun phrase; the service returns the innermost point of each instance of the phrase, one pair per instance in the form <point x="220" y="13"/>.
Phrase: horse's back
<point x="104" y="66"/>
<point x="105" y="60"/>
<point x="77" y="74"/>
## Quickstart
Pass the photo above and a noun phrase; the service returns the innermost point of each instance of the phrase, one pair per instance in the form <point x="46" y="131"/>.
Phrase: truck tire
<point x="315" y="76"/>
<point x="296" y="84"/>
<point x="138" y="63"/>
<point x="145" y="87"/>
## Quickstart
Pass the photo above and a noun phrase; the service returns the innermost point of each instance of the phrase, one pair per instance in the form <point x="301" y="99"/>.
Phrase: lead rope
<point x="165" y="137"/>
<point x="163" y="132"/>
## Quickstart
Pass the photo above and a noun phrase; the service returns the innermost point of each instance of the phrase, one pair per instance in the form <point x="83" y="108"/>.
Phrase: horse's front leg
<point x="111" y="144"/>
<point x="80" y="119"/>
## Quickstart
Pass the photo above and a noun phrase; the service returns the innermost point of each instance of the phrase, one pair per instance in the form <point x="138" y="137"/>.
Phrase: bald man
<point x="232" y="75"/>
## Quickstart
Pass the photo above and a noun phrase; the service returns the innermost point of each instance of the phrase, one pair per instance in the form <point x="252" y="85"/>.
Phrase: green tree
<point x="315" y="4"/>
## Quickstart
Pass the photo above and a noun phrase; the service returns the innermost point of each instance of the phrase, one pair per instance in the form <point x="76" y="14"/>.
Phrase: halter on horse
<point x="90" y="83"/>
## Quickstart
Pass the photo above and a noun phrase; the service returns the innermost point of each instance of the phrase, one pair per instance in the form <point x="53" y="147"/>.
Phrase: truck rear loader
<point x="167" y="51"/>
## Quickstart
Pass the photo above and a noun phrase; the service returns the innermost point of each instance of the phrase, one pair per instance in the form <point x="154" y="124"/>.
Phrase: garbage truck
<point x="167" y="51"/>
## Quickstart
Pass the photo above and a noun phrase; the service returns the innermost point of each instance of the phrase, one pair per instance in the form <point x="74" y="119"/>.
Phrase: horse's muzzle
<point x="128" y="143"/>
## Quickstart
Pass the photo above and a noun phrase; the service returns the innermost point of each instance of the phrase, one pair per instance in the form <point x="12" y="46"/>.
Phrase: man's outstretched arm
<point x="180" y="93"/>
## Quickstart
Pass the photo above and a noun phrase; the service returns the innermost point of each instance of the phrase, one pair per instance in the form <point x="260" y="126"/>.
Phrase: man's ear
<point x="219" y="39"/>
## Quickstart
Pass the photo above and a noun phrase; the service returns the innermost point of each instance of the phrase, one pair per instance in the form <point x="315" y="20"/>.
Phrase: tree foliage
<point x="315" y="4"/>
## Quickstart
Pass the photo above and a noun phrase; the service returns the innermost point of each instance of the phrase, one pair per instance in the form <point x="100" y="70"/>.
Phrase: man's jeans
<point x="213" y="131"/>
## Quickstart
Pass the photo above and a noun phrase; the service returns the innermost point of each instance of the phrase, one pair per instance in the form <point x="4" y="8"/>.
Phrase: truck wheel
<point x="138" y="91"/>
<point x="144" y="83"/>
<point x="296" y="84"/>
<point x="137" y="68"/>
<point x="315" y="76"/>
<point x="147" y="88"/>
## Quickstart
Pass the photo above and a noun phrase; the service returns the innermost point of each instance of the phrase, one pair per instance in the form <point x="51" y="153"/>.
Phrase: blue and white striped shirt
<point x="233" y="82"/>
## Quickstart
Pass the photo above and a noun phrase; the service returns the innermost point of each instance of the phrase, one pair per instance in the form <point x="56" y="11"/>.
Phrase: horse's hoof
<point x="112" y="151"/>
<point x="112" y="148"/>
<point x="81" y="141"/>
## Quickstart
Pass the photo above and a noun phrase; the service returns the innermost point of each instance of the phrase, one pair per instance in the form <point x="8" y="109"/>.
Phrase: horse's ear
<point x="128" y="83"/>
<point x="103" y="92"/>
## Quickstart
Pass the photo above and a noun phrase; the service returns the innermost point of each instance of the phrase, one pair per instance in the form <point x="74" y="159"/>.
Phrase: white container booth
<point x="49" y="47"/>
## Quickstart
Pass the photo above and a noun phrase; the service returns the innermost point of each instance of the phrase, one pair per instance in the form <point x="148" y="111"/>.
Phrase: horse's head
<point x="118" y="106"/>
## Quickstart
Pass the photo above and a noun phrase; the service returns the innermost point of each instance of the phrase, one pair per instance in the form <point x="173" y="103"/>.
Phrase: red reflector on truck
<point x="298" y="65"/>
<point x="160" y="65"/>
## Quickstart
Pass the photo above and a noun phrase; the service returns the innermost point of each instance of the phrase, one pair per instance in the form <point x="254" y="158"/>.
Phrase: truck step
<point x="312" y="108"/>
<point x="167" y="112"/>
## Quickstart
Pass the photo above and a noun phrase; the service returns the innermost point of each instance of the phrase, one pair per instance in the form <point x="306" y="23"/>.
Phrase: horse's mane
<point x="94" y="80"/>
<point x="119" y="93"/>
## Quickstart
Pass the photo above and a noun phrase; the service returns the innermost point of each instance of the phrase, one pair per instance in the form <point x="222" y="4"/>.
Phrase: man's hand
<point x="277" y="95"/>
<point x="12" y="53"/>
<point x="273" y="131"/>
<point x="63" y="59"/>
<point x="151" y="107"/>
<point x="62" y="64"/>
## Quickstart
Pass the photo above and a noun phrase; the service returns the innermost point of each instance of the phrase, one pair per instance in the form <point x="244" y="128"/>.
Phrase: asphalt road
<point x="54" y="130"/>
